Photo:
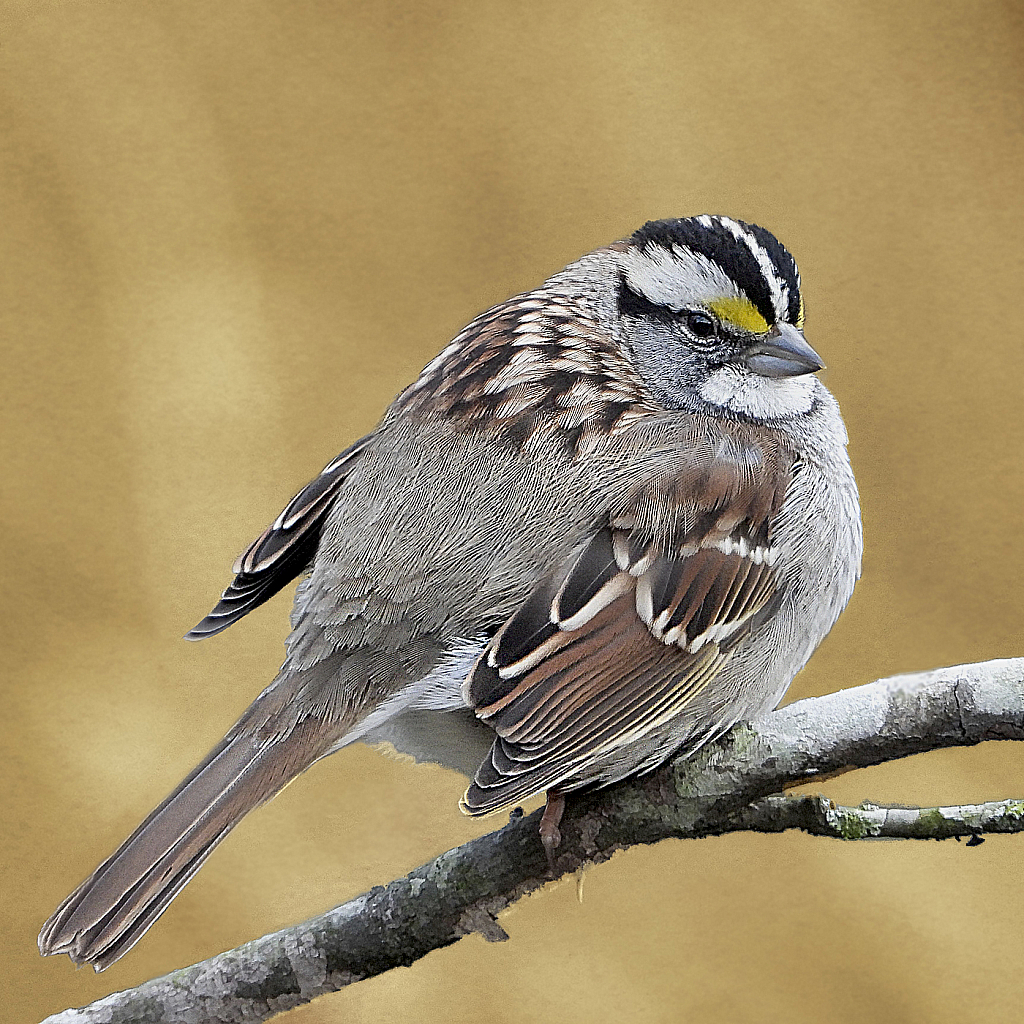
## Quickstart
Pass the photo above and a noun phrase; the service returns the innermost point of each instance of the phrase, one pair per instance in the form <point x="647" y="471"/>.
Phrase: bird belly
<point x="454" y="739"/>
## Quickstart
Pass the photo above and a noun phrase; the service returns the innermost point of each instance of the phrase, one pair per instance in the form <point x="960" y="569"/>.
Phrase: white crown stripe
<point x="776" y="285"/>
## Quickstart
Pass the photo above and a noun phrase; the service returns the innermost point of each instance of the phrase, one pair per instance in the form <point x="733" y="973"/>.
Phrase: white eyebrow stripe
<point x="654" y="273"/>
<point x="776" y="285"/>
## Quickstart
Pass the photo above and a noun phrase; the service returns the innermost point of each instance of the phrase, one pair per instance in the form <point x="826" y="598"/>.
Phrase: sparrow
<point x="613" y="517"/>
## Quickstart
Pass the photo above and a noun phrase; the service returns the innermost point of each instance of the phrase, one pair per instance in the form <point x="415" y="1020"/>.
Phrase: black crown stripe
<point x="733" y="255"/>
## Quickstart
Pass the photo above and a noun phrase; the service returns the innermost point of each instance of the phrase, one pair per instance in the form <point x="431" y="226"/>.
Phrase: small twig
<point x="820" y="816"/>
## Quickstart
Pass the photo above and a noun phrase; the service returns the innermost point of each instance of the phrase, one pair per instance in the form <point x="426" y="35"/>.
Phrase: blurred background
<point x="231" y="232"/>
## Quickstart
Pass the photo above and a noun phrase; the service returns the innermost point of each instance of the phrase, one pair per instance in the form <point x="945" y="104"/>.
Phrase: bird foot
<point x="550" y="836"/>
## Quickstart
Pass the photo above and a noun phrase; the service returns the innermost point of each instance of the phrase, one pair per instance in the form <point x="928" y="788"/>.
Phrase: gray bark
<point x="726" y="787"/>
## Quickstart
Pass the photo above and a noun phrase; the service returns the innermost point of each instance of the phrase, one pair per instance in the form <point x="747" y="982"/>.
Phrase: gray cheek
<point x="661" y="357"/>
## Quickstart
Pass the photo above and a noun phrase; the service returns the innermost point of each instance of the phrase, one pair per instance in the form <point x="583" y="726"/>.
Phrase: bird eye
<point x="700" y="324"/>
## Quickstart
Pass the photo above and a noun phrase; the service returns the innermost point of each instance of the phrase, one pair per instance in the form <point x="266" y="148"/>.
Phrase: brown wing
<point x="283" y="550"/>
<point x="613" y="647"/>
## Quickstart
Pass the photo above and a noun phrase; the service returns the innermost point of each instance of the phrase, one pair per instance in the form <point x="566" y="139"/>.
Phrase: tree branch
<point x="819" y="816"/>
<point x="464" y="889"/>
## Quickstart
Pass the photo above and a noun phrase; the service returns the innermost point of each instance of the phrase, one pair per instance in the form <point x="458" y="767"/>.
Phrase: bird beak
<point x="782" y="353"/>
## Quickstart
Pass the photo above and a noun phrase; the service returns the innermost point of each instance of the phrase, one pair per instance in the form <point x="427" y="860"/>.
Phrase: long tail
<point x="112" y="909"/>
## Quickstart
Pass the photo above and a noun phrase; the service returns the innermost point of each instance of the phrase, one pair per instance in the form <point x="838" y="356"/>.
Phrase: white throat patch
<point x="763" y="398"/>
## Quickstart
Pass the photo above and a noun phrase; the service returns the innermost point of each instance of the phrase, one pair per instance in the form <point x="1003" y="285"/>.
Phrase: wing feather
<point x="283" y="550"/>
<point x="613" y="646"/>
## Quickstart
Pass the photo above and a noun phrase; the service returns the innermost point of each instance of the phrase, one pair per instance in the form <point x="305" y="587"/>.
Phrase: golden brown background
<point x="232" y="231"/>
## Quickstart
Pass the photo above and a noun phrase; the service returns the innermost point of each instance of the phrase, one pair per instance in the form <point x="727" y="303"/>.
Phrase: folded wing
<point x="608" y="650"/>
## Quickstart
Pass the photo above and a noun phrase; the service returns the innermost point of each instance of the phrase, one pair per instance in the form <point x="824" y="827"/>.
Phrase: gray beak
<point x="783" y="353"/>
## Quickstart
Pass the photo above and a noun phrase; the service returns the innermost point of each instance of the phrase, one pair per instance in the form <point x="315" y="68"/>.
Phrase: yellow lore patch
<point x="739" y="312"/>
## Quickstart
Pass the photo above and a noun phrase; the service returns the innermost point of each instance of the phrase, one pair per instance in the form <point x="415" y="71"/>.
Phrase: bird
<point x="611" y="519"/>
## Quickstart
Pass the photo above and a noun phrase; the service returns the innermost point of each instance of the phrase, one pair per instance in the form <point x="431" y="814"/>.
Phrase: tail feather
<point x="112" y="909"/>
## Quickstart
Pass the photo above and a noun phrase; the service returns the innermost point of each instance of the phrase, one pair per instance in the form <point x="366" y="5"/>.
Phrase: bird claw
<point x="550" y="836"/>
<point x="551" y="839"/>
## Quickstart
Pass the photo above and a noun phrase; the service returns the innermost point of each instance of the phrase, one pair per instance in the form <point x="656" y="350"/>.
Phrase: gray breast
<point x="818" y="531"/>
